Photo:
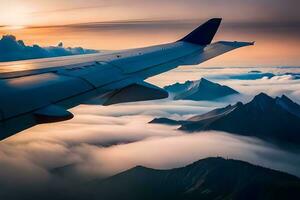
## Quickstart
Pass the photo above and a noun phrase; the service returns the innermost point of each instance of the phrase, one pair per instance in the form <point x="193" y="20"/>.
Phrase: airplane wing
<point x="42" y="90"/>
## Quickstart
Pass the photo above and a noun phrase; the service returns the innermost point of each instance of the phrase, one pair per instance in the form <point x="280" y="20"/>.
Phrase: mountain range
<point x="210" y="178"/>
<point x="274" y="119"/>
<point x="201" y="90"/>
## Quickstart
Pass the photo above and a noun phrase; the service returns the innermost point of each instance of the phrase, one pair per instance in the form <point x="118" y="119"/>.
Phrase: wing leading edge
<point x="117" y="77"/>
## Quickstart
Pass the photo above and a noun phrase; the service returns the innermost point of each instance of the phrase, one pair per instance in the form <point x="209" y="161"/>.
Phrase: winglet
<point x="204" y="34"/>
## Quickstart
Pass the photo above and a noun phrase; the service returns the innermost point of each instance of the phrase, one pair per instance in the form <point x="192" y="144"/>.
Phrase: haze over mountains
<point x="276" y="119"/>
<point x="199" y="90"/>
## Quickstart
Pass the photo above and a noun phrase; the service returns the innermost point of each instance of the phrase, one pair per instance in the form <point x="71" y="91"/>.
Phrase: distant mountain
<point x="252" y="75"/>
<point x="264" y="117"/>
<point x="166" y="121"/>
<point x="179" y="87"/>
<point x="211" y="178"/>
<point x="199" y="90"/>
<point x="214" y="114"/>
<point x="295" y="75"/>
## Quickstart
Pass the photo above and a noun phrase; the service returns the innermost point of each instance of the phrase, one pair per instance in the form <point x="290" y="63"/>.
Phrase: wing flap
<point x="52" y="113"/>
<point x="136" y="92"/>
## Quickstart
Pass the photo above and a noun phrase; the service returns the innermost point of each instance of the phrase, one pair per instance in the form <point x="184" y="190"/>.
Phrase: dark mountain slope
<point x="211" y="178"/>
<point x="276" y="120"/>
<point x="263" y="117"/>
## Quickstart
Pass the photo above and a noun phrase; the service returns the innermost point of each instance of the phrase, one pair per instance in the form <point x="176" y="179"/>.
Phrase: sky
<point x="122" y="24"/>
<point x="54" y="12"/>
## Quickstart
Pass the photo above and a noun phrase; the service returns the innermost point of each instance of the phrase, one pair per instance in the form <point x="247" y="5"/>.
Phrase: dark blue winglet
<point x="204" y="34"/>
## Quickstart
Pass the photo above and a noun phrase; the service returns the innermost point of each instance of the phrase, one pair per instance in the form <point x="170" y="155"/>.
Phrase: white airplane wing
<point x="42" y="90"/>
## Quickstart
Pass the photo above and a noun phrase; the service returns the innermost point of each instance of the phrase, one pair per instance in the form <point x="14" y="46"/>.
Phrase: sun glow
<point x="15" y="17"/>
<point x="15" y="27"/>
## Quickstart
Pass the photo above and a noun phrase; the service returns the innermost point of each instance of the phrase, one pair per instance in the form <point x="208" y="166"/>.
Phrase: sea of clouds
<point x="102" y="141"/>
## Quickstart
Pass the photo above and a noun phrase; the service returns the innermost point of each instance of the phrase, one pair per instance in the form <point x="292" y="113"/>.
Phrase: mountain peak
<point x="286" y="99"/>
<point x="262" y="101"/>
<point x="239" y="104"/>
<point x="263" y="96"/>
<point x="205" y="80"/>
<point x="202" y="89"/>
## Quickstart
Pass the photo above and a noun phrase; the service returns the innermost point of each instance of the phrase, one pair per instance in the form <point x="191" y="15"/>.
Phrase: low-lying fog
<point x="102" y="141"/>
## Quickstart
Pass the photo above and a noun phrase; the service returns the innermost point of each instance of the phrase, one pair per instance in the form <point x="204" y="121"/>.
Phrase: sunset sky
<point x="54" y="12"/>
<point x="121" y="24"/>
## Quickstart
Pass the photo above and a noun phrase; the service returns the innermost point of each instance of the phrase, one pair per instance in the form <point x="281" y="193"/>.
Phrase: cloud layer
<point x="102" y="141"/>
<point x="105" y="142"/>
<point x="12" y="49"/>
